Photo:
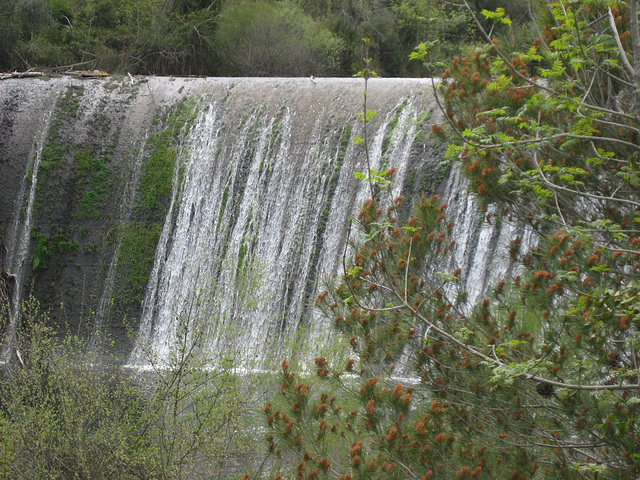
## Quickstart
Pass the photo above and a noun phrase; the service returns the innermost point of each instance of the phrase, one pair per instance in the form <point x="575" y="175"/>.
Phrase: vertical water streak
<point x="20" y="238"/>
<point x="126" y="208"/>
<point x="482" y="246"/>
<point x="156" y="301"/>
<point x="270" y="196"/>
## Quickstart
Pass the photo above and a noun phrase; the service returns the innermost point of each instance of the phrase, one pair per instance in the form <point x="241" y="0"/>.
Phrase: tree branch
<point x="623" y="54"/>
<point x="635" y="41"/>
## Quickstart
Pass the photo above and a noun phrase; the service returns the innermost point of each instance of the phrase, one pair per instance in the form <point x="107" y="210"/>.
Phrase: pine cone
<point x="545" y="390"/>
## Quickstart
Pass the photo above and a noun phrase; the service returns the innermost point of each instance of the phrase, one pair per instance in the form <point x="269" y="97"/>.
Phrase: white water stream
<point x="269" y="199"/>
<point x="20" y="237"/>
<point x="263" y="191"/>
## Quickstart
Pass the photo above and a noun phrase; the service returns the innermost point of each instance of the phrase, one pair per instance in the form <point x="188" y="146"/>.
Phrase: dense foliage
<point x="232" y="37"/>
<point x="539" y="378"/>
<point x="68" y="413"/>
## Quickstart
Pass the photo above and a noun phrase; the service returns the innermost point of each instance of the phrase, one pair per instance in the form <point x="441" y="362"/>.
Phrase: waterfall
<point x="267" y="198"/>
<point x="20" y="236"/>
<point x="255" y="217"/>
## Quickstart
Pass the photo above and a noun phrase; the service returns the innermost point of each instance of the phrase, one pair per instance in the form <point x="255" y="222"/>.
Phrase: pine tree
<point x="539" y="379"/>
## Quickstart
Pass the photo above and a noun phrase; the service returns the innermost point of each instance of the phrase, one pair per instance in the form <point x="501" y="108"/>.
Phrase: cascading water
<point x="257" y="210"/>
<point x="104" y="304"/>
<point x="20" y="235"/>
<point x="267" y="198"/>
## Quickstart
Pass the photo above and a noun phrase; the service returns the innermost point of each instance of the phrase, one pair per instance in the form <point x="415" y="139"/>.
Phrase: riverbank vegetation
<point x="68" y="412"/>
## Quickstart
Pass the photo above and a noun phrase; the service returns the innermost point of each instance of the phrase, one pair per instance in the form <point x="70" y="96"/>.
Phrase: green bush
<point x="46" y="247"/>
<point x="67" y="414"/>
<point x="266" y="39"/>
<point x="61" y="417"/>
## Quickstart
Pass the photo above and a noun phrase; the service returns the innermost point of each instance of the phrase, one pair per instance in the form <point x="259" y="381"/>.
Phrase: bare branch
<point x="623" y="54"/>
<point x="635" y="41"/>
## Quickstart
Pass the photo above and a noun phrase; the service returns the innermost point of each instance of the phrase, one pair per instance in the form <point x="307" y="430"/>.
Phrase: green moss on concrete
<point x="46" y="247"/>
<point x="136" y="259"/>
<point x="93" y="185"/>
<point x="156" y="184"/>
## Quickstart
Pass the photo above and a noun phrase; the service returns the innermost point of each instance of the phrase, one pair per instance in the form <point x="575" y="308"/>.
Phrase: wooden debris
<point x="5" y="76"/>
<point x="72" y="73"/>
<point x="88" y="74"/>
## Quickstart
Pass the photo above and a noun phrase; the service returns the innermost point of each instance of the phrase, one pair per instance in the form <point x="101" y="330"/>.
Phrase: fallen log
<point x="5" y="76"/>
<point x="71" y="73"/>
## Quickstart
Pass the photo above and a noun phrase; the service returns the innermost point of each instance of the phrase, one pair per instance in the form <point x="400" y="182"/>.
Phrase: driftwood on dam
<point x="74" y="73"/>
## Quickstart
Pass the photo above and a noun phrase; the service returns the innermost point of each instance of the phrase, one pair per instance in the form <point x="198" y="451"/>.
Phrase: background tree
<point x="266" y="39"/>
<point x="539" y="379"/>
<point x="144" y="36"/>
<point x="183" y="36"/>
